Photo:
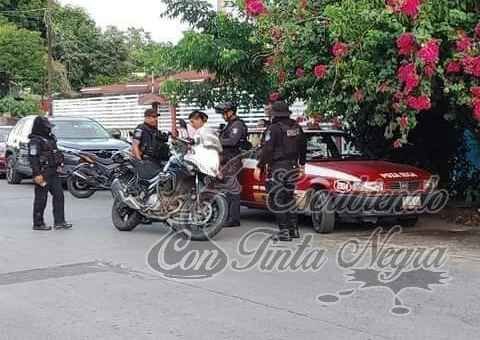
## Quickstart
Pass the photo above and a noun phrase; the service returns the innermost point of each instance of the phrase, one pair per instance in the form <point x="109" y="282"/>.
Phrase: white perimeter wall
<point x="124" y="112"/>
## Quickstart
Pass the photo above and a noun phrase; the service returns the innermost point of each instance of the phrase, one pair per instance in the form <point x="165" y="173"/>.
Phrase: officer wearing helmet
<point x="282" y="157"/>
<point x="233" y="138"/>
<point x="46" y="160"/>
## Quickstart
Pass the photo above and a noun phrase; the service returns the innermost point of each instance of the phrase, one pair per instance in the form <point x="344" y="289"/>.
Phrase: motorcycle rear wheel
<point x="78" y="188"/>
<point x="123" y="217"/>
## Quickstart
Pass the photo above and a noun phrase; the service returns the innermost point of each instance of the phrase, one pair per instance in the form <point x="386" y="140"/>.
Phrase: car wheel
<point x="408" y="222"/>
<point x="323" y="220"/>
<point x="13" y="177"/>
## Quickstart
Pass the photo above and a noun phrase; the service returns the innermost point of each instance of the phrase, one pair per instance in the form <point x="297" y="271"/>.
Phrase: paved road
<point x="93" y="282"/>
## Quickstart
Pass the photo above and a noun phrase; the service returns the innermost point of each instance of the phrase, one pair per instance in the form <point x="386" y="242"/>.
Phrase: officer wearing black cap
<point x="46" y="160"/>
<point x="283" y="155"/>
<point x="149" y="143"/>
<point x="233" y="138"/>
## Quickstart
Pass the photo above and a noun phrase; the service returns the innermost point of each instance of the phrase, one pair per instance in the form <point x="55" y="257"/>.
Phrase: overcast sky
<point x="139" y="13"/>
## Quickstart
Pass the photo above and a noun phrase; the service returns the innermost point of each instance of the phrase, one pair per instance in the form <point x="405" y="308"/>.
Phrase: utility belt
<point x="284" y="161"/>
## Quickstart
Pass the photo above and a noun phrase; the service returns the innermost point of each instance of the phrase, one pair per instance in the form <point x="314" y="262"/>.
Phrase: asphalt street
<point x="94" y="282"/>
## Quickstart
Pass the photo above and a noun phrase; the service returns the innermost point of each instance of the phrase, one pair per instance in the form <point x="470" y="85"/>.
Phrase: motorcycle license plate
<point x="411" y="202"/>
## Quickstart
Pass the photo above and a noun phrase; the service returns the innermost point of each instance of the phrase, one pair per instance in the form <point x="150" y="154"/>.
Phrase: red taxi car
<point x="357" y="188"/>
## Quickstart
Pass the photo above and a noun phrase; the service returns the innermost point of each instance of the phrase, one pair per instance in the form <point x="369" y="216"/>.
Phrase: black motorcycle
<point x="180" y="194"/>
<point x="92" y="174"/>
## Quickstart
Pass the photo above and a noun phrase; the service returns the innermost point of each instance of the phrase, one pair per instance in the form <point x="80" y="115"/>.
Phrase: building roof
<point x="143" y="87"/>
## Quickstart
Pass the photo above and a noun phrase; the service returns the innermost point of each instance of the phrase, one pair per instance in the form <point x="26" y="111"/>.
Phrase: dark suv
<point x="75" y="134"/>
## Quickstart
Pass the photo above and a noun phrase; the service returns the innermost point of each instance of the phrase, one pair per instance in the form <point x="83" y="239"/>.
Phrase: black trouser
<point x="54" y="186"/>
<point x="230" y="185"/>
<point x="281" y="193"/>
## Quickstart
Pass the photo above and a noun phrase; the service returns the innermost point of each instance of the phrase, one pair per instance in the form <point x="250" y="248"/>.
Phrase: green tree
<point x="223" y="45"/>
<point x="22" y="56"/>
<point x="26" y="14"/>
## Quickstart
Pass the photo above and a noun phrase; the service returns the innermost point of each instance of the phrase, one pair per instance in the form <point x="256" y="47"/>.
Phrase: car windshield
<point x="4" y="134"/>
<point x="330" y="146"/>
<point x="79" y="129"/>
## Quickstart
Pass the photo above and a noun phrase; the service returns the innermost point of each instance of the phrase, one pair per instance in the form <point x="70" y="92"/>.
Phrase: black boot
<point x="63" y="225"/>
<point x="41" y="227"/>
<point x="233" y="211"/>
<point x="294" y="232"/>
<point x="283" y="236"/>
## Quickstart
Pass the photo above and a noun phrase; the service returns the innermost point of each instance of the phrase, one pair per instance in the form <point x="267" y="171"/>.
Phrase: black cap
<point x="225" y="107"/>
<point x="280" y="109"/>
<point x="151" y="113"/>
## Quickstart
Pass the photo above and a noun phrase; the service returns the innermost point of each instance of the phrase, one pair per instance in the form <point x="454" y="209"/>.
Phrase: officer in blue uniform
<point x="46" y="160"/>
<point x="283" y="157"/>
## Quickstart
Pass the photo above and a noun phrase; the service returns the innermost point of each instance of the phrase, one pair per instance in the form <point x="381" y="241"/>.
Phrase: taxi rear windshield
<point x="327" y="146"/>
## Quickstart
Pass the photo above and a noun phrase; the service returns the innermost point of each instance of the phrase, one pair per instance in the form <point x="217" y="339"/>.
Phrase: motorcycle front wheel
<point x="78" y="187"/>
<point x="207" y="218"/>
<point x="123" y="217"/>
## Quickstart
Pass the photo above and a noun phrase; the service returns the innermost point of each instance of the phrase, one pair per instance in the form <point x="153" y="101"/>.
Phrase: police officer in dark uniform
<point x="149" y="144"/>
<point x="283" y="156"/>
<point x="234" y="137"/>
<point x="46" y="160"/>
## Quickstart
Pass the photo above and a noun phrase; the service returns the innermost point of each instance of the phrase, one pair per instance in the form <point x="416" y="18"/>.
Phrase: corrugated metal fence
<point x="125" y="113"/>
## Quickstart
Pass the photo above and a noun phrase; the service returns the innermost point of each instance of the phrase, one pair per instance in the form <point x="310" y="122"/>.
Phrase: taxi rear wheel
<point x="323" y="220"/>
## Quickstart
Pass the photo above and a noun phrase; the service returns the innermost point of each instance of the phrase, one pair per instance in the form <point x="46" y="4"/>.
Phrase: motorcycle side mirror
<point x="116" y="133"/>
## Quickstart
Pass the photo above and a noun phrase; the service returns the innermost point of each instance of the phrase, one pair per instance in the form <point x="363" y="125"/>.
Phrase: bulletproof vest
<point x="152" y="144"/>
<point x="50" y="156"/>
<point x="233" y="151"/>
<point x="290" y="134"/>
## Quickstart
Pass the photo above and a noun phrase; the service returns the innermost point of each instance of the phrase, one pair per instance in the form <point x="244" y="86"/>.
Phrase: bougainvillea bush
<point x="374" y="61"/>
<point x="401" y="74"/>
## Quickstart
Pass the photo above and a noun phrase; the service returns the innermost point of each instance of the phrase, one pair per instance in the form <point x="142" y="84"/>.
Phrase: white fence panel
<point x="125" y="113"/>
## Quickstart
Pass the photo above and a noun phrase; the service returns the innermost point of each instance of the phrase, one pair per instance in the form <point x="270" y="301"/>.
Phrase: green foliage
<point x="22" y="56"/>
<point x="19" y="108"/>
<point x="24" y="14"/>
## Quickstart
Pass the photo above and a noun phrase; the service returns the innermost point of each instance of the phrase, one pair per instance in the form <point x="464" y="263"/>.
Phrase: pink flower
<point x="477" y="30"/>
<point x="320" y="71"/>
<point x="359" y="96"/>
<point x="255" y="7"/>
<point x="397" y="144"/>
<point x="276" y="33"/>
<point x="430" y="52"/>
<point x="475" y="91"/>
<point x="383" y="87"/>
<point x="274" y="96"/>
<point x="472" y="65"/>
<point x="453" y="67"/>
<point x="464" y="43"/>
<point x="430" y="70"/>
<point x="403" y="121"/>
<point x="269" y="61"/>
<point x="299" y="72"/>
<point x="421" y="103"/>
<point x="406" y="44"/>
<point x="339" y="50"/>
<point x="394" y="5"/>
<point x="411" y="8"/>
<point x="476" y="109"/>
<point x="408" y="75"/>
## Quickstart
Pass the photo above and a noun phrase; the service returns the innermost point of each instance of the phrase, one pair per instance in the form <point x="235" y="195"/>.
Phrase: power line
<point x="25" y="10"/>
